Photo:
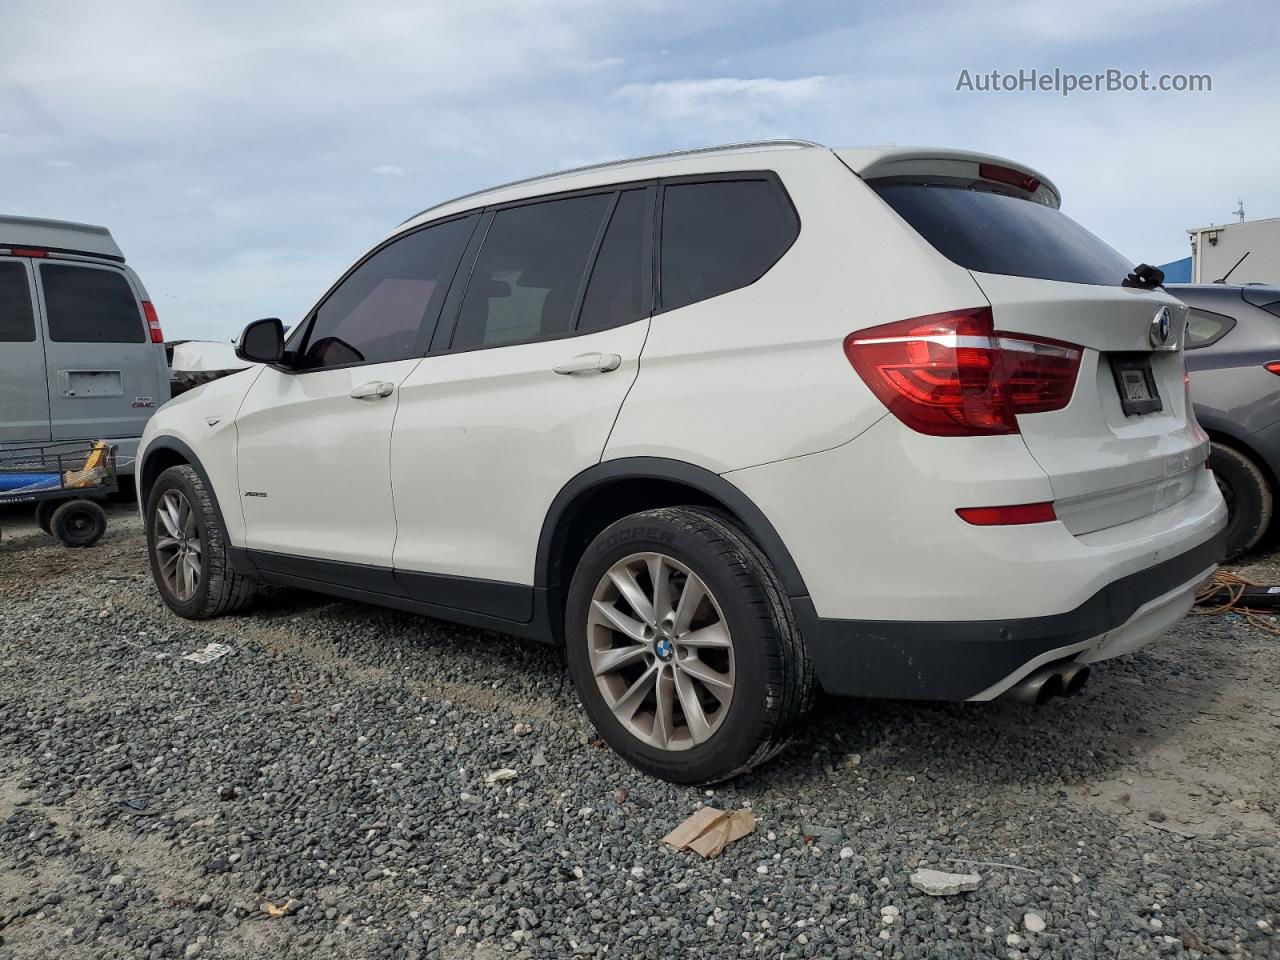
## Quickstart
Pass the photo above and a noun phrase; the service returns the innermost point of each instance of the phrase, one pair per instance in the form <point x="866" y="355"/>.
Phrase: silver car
<point x="81" y="350"/>
<point x="1233" y="359"/>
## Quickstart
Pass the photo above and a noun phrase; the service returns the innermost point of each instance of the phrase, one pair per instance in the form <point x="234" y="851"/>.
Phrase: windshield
<point x="994" y="233"/>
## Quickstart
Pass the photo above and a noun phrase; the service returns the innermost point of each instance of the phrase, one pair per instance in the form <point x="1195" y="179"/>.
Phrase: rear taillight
<point x="1001" y="174"/>
<point x="1273" y="367"/>
<point x="953" y="375"/>
<point x="27" y="252"/>
<point x="153" y="322"/>
<point x="1018" y="513"/>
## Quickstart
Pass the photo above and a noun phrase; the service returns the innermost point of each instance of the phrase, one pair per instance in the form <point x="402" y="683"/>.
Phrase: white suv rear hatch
<point x="1126" y="445"/>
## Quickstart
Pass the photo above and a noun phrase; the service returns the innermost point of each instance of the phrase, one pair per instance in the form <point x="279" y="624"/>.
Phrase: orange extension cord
<point x="1235" y="586"/>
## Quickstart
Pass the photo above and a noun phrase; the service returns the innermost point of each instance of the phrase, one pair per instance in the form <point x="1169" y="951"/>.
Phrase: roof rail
<point x="619" y="163"/>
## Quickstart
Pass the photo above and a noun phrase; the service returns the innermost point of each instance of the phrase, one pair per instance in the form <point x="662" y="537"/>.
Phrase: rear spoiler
<point x="925" y="163"/>
<point x="28" y="236"/>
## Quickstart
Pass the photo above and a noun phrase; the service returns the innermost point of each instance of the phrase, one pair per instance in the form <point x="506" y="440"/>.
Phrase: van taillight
<point x="953" y="375"/>
<point x="153" y="322"/>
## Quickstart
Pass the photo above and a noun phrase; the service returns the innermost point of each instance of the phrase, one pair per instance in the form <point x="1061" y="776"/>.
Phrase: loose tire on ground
<point x="772" y="676"/>
<point x="219" y="589"/>
<point x="1248" y="495"/>
<point x="78" y="523"/>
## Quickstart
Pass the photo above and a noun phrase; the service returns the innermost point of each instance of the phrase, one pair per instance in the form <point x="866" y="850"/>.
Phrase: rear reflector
<point x="153" y="322"/>
<point x="1273" y="367"/>
<point x="952" y="375"/>
<point x="1008" y="516"/>
<point x="1016" y="178"/>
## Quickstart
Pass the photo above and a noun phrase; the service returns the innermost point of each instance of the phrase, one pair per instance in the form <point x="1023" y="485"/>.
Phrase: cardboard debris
<point x="497" y="776"/>
<point x="708" y="831"/>
<point x="210" y="653"/>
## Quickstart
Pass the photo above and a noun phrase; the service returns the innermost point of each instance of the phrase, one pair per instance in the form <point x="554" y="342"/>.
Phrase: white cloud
<point x="59" y="164"/>
<point x="388" y="170"/>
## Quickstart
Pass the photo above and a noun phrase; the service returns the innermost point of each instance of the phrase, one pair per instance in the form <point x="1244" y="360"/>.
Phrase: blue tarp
<point x="1179" y="271"/>
<point x="9" y="482"/>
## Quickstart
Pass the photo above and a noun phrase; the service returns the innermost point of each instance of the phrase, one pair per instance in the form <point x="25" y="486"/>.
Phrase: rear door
<point x="104" y="378"/>
<point x="521" y="395"/>
<point x="1126" y="445"/>
<point x="24" y="390"/>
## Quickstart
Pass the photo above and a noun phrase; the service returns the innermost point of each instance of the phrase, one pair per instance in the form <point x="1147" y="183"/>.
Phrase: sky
<point x="245" y="154"/>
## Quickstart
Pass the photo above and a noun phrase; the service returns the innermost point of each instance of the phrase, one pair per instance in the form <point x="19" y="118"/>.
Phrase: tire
<point x="44" y="514"/>
<point x="78" y="523"/>
<point x="770" y="675"/>
<point x="215" y="588"/>
<point x="1248" y="494"/>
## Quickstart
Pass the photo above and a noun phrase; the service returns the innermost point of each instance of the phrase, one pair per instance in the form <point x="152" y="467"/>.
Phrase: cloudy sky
<point x="244" y="154"/>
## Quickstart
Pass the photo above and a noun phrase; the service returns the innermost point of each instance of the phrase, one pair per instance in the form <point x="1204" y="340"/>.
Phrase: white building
<point x="1215" y="249"/>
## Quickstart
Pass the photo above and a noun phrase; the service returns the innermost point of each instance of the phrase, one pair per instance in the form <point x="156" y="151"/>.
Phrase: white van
<point x="81" y="351"/>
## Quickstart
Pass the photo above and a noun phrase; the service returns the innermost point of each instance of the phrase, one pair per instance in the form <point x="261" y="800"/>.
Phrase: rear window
<point x="85" y="305"/>
<point x="994" y="233"/>
<point x="721" y="235"/>
<point x="1268" y="298"/>
<point x="17" y="323"/>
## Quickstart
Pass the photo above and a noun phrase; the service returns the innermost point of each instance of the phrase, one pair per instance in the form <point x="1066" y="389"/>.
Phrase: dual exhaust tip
<point x="1055" y="680"/>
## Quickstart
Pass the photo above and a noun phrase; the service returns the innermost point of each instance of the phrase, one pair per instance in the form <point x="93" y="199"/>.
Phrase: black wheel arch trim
<point x="574" y="493"/>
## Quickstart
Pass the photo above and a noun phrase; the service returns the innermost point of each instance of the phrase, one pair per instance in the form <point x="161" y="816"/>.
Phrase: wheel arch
<point x="163" y="453"/>
<point x="608" y="491"/>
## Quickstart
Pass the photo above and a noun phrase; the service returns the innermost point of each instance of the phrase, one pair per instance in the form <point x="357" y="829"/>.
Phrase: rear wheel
<point x="683" y="648"/>
<point x="78" y="523"/>
<point x="1248" y="494"/>
<point x="188" y="549"/>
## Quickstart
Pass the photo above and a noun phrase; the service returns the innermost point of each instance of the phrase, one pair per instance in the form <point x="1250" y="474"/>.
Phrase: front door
<point x="314" y="433"/>
<point x="24" y="391"/>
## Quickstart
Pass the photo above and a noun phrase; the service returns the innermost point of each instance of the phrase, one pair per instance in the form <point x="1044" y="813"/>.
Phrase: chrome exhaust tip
<point x="1074" y="677"/>
<point x="1038" y="686"/>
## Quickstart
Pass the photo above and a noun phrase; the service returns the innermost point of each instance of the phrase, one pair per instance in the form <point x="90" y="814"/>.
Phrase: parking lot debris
<point x="498" y="776"/>
<point x="938" y="883"/>
<point x="210" y="653"/>
<point x="281" y="910"/>
<point x="708" y="831"/>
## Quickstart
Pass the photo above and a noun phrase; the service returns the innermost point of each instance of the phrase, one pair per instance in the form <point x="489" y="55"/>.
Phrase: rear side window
<point x="17" y="322"/>
<point x="386" y="309"/>
<point x="1268" y="298"/>
<point x="618" y="291"/>
<point x="1205" y="327"/>
<point x="84" y="305"/>
<point x="720" y="235"/>
<point x="529" y="272"/>
<point x="994" y="233"/>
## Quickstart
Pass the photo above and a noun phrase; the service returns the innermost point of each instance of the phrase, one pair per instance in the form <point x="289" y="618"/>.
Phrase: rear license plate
<point x="1136" y="384"/>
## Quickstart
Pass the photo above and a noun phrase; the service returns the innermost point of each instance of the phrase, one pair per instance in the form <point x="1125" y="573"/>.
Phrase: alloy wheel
<point x="661" y="651"/>
<point x="178" y="546"/>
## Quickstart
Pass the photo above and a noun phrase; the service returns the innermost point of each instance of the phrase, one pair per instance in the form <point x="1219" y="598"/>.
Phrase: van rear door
<point x="24" y="392"/>
<point x="104" y="373"/>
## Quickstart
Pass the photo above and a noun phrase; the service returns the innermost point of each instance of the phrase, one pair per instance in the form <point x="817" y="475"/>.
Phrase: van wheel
<point x="683" y="647"/>
<point x="1248" y="494"/>
<point x="78" y="523"/>
<point x="187" y="549"/>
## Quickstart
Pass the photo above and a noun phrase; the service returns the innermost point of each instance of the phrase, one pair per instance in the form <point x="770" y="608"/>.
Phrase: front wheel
<point x="188" y="549"/>
<point x="683" y="647"/>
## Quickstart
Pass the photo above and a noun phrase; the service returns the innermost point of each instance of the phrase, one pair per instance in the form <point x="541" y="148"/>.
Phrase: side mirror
<point x="262" y="341"/>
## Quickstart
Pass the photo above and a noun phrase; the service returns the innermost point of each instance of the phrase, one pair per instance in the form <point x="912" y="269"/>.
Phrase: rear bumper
<point x="980" y="659"/>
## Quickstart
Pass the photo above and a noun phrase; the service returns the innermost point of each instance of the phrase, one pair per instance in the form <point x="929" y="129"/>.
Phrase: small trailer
<point x="64" y="480"/>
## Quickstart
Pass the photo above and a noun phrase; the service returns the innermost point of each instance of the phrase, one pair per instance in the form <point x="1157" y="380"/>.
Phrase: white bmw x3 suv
<point x="727" y="424"/>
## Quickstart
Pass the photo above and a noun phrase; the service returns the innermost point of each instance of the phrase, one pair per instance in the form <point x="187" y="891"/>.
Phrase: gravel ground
<point x="332" y="768"/>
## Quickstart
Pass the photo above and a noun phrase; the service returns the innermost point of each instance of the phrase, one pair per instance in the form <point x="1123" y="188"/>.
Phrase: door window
<point x="17" y="322"/>
<point x="529" y="272"/>
<point x="618" y="291"/>
<point x="86" y="305"/>
<point x="720" y="235"/>
<point x="387" y="308"/>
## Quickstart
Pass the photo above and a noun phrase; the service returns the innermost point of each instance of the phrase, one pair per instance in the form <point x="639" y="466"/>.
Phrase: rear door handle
<point x="374" y="390"/>
<point x="590" y="363"/>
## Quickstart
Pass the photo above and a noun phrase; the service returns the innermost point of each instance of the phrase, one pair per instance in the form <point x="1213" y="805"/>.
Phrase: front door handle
<point x="374" y="390"/>
<point x="590" y="363"/>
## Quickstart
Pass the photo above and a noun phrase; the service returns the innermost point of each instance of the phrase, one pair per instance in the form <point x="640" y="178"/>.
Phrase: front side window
<point x="17" y="322"/>
<point x="387" y="308"/>
<point x="529" y="272"/>
<point x="1205" y="327"/>
<point x="86" y="305"/>
<point x="720" y="235"/>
